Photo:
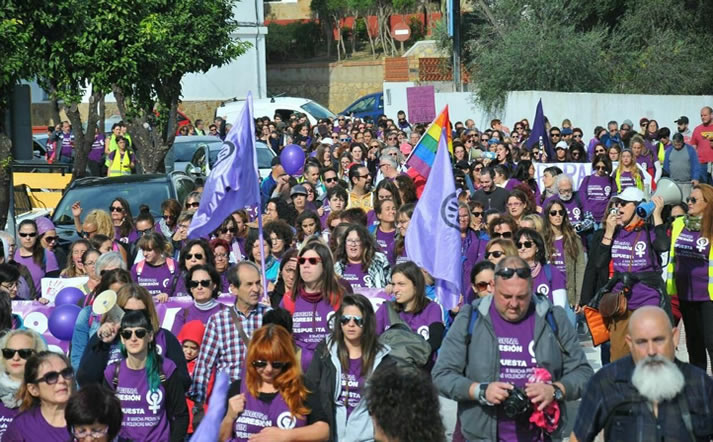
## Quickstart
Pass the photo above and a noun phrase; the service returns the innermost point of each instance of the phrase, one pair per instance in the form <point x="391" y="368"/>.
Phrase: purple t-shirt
<point x="557" y="259"/>
<point x="130" y="239"/>
<point x="50" y="265"/>
<point x="517" y="363"/>
<point x="472" y="249"/>
<point x="691" y="254"/>
<point x="630" y="253"/>
<point x="67" y="145"/>
<point x="646" y="161"/>
<point x="540" y="283"/>
<point x="144" y="411"/>
<point x="97" y="151"/>
<point x="155" y="279"/>
<point x="626" y="180"/>
<point x="512" y="183"/>
<point x="371" y="218"/>
<point x="352" y="382"/>
<point x="418" y="322"/>
<point x="386" y="244"/>
<point x="191" y="313"/>
<point x="31" y="426"/>
<point x="597" y="190"/>
<point x="267" y="410"/>
<point x="6" y="417"/>
<point x="325" y="214"/>
<point x="355" y="276"/>
<point x="310" y="325"/>
<point x="180" y="289"/>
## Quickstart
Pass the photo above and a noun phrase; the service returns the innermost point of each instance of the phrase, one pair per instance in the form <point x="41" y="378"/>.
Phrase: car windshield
<point x="317" y="111"/>
<point x="184" y="150"/>
<point x="264" y="157"/>
<point x="100" y="197"/>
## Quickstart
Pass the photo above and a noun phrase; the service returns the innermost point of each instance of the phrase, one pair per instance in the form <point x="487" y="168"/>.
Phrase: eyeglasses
<point x="139" y="332"/>
<point x="197" y="256"/>
<point x="313" y="260"/>
<point x="9" y="353"/>
<point x="558" y="212"/>
<point x="118" y="209"/>
<point x="346" y="319"/>
<point x="494" y="254"/>
<point x="144" y="232"/>
<point x="51" y="238"/>
<point x="220" y="255"/>
<point x="276" y="365"/>
<point x="507" y="272"/>
<point x="28" y="235"/>
<point x="94" y="434"/>
<point x="203" y="282"/>
<point x="193" y="205"/>
<point x="232" y="230"/>
<point x="331" y="180"/>
<point x="502" y="235"/>
<point x="354" y="242"/>
<point x="477" y="214"/>
<point x="52" y="377"/>
<point x="524" y="244"/>
<point x="482" y="285"/>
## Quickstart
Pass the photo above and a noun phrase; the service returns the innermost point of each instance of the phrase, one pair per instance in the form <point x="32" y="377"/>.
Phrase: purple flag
<point x="539" y="135"/>
<point x="209" y="427"/>
<point x="233" y="182"/>
<point x="433" y="233"/>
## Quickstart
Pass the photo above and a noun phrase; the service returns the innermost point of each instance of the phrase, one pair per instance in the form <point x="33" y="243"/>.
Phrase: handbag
<point x="613" y="305"/>
<point x="597" y="326"/>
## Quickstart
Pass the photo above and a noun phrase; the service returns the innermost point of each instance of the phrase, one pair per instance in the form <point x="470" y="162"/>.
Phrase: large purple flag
<point x="209" y="428"/>
<point x="539" y="135"/>
<point x="233" y="182"/>
<point x="433" y="236"/>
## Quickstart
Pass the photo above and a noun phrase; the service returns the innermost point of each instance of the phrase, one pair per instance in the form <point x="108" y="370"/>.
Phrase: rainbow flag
<point x="424" y="153"/>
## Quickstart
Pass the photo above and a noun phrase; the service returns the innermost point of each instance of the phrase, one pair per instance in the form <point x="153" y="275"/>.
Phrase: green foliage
<point x="418" y="30"/>
<point x="14" y="39"/>
<point x="292" y="42"/>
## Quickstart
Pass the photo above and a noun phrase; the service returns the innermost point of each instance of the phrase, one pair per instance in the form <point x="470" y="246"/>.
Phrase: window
<point x="317" y="111"/>
<point x="364" y="105"/>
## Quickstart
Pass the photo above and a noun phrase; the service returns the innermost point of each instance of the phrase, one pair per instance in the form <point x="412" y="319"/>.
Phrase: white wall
<point x="585" y="110"/>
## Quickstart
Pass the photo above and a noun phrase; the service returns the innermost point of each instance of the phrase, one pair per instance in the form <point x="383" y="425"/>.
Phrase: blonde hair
<point x="135" y="291"/>
<point x="102" y="220"/>
<point x="38" y="343"/>
<point x="536" y="220"/>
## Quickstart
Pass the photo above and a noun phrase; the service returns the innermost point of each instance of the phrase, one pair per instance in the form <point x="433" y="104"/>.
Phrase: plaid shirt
<point x="612" y="403"/>
<point x="222" y="349"/>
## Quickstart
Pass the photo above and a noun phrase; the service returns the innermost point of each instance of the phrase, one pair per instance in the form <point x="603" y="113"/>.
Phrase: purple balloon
<point x="62" y="320"/>
<point x="292" y="158"/>
<point x="68" y="295"/>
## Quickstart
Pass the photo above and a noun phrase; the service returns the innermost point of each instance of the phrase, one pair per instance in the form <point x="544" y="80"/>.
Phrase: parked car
<point x="39" y="146"/>
<point x="183" y="149"/>
<point x="98" y="193"/>
<point x="284" y="106"/>
<point x="371" y="106"/>
<point x="200" y="167"/>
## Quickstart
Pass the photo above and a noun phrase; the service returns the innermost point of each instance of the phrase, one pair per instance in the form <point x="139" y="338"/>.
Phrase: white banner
<point x="52" y="286"/>
<point x="576" y="171"/>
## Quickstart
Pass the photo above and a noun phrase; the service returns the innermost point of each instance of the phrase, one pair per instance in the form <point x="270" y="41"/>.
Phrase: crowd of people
<point x="351" y="342"/>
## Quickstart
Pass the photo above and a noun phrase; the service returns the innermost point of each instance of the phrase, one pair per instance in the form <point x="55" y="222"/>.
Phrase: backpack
<point x="170" y="262"/>
<point x="406" y="345"/>
<point x="117" y="366"/>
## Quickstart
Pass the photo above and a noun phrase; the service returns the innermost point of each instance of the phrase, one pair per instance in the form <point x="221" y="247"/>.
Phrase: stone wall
<point x="334" y="85"/>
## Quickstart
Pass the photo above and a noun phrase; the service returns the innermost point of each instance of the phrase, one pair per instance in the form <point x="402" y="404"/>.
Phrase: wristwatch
<point x="482" y="388"/>
<point x="558" y="395"/>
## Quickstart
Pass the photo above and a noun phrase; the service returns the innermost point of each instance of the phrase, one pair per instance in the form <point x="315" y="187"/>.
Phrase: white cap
<point x="631" y="194"/>
<point x="562" y="145"/>
<point x="328" y="141"/>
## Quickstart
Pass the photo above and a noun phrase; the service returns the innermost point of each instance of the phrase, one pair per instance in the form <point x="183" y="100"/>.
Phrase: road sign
<point x="400" y="32"/>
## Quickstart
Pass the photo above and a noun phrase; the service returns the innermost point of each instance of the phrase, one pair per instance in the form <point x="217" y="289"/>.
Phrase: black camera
<point x="517" y="404"/>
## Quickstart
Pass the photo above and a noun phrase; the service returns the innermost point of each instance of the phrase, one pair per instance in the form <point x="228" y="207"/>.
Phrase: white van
<point x="268" y="107"/>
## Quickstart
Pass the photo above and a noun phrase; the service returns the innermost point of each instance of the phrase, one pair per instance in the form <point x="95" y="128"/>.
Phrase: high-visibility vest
<point x="671" y="289"/>
<point x="121" y="164"/>
<point x="617" y="179"/>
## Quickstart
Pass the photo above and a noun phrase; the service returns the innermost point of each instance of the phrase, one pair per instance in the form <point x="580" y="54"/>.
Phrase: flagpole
<point x="262" y="250"/>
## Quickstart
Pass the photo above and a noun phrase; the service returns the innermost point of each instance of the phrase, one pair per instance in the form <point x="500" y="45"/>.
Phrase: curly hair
<point x="368" y="246"/>
<point x="407" y="189"/>
<point x="274" y="343"/>
<point x="407" y="392"/>
<point x="102" y="220"/>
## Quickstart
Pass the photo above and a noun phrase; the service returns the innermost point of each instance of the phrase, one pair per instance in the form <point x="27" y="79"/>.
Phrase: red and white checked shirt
<point x="222" y="349"/>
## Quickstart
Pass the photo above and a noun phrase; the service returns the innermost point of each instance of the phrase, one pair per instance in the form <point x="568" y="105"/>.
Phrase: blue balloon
<point x="62" y="320"/>
<point x="68" y="295"/>
<point x="292" y="158"/>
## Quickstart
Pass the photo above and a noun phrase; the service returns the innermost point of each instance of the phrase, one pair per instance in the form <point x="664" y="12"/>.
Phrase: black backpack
<point x="406" y="345"/>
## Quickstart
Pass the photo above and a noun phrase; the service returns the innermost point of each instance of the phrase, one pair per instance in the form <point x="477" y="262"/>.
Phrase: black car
<point x="98" y="193"/>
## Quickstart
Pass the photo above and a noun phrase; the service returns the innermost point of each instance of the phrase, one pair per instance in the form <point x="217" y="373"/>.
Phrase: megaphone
<point x="105" y="304"/>
<point x="666" y="189"/>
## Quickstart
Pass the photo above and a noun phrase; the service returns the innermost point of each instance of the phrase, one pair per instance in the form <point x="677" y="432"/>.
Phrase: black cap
<point x="682" y="120"/>
<point x="275" y="161"/>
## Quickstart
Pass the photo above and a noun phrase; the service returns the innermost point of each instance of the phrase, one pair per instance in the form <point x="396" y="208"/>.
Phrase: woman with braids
<point x="342" y="366"/>
<point x="274" y="401"/>
<point x="150" y="391"/>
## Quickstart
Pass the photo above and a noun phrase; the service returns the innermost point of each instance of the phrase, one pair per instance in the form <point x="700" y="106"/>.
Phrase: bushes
<point x="293" y="41"/>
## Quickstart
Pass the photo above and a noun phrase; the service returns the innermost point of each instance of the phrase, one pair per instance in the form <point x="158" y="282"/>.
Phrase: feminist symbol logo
<point x="576" y="212"/>
<point x="449" y="210"/>
<point x="640" y="248"/>
<point x="424" y="332"/>
<point x="154" y="399"/>
<point x="286" y="421"/>
<point x="607" y="190"/>
<point x="544" y="289"/>
<point x="701" y="244"/>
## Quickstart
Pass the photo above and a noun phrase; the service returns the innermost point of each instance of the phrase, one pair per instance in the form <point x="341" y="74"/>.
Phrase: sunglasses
<point x="193" y="205"/>
<point x="692" y="200"/>
<point x="51" y="238"/>
<point x="169" y="217"/>
<point x="601" y="167"/>
<point x="52" y="377"/>
<point x="495" y="254"/>
<point x="554" y="135"/>
<point x="502" y="235"/>
<point x="118" y="209"/>
<point x="346" y="319"/>
<point x="482" y="285"/>
<point x="84" y="233"/>
<point x="558" y="212"/>
<point x="507" y="273"/>
<point x="330" y="180"/>
<point x="524" y="244"/>
<point x="275" y="365"/>
<point x="232" y="230"/>
<point x="314" y="260"/>
<point x="203" y="282"/>
<point x="364" y="176"/>
<point x="197" y="256"/>
<point x="477" y="214"/>
<point x="620" y="204"/>
<point x="139" y="332"/>
<point x="9" y="353"/>
<point x="143" y="232"/>
<point x="26" y="235"/>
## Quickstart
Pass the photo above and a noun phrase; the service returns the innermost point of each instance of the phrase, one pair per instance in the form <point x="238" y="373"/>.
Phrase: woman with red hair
<point x="274" y="401"/>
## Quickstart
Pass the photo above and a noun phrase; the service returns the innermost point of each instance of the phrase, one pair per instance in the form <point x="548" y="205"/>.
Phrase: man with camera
<point x="494" y="347"/>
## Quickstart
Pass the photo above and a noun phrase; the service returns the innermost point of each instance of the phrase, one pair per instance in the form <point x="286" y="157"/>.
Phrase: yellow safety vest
<point x="662" y="152"/>
<point x="676" y="230"/>
<point x="617" y="178"/>
<point x="120" y="165"/>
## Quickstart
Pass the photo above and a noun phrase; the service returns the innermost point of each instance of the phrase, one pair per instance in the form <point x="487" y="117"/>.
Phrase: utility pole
<point x="454" y="28"/>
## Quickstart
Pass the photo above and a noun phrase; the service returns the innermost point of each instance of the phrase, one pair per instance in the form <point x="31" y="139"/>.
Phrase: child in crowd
<point x="191" y="338"/>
